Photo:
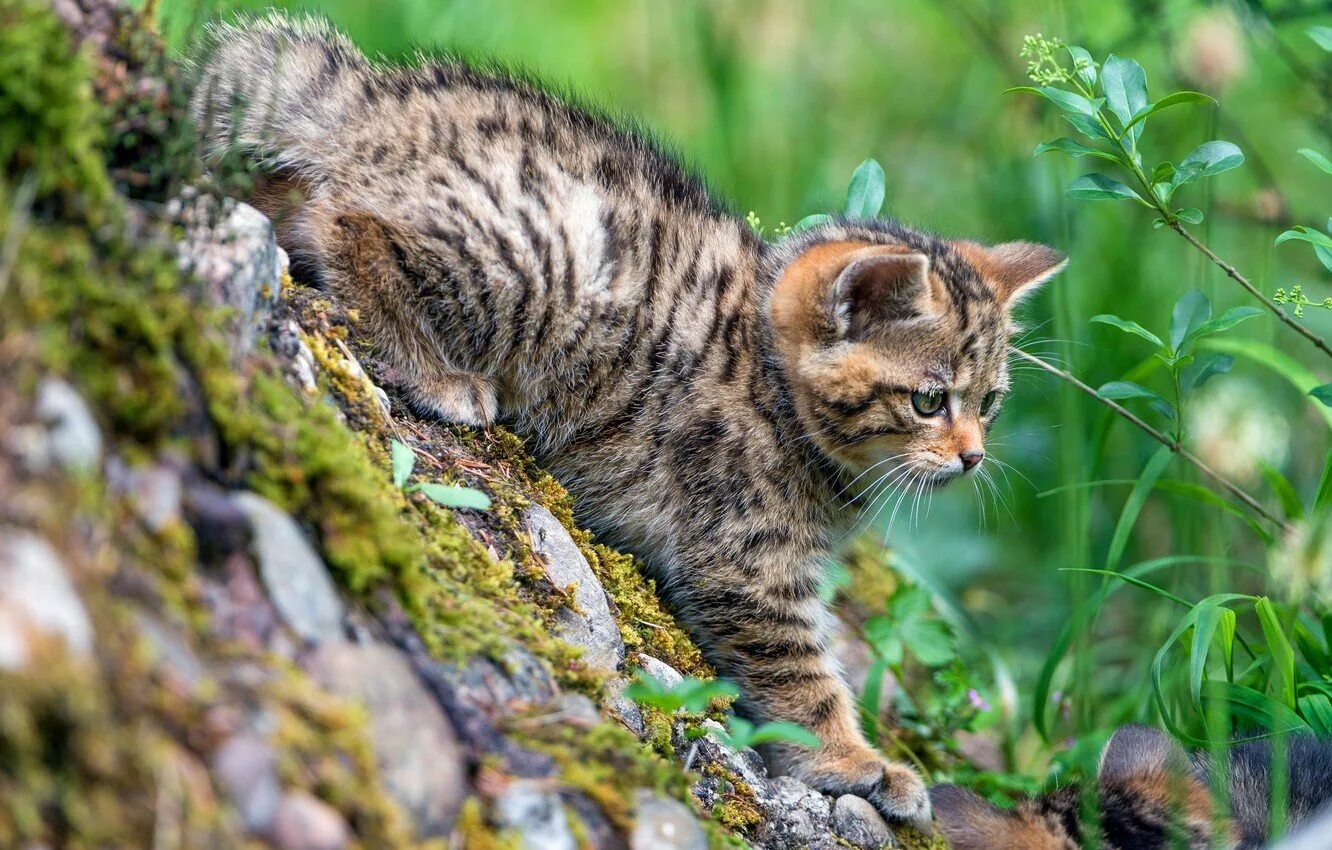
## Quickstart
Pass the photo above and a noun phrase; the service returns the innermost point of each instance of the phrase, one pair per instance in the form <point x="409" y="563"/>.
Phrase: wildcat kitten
<point x="1149" y="795"/>
<point x="705" y="396"/>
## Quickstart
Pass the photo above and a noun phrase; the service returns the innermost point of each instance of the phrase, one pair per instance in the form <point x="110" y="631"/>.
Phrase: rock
<point x="75" y="441"/>
<point x="154" y="491"/>
<point x="296" y="578"/>
<point x="578" y="710"/>
<point x="622" y="708"/>
<point x="171" y="655"/>
<point x="231" y="251"/>
<point x="591" y="627"/>
<point x="296" y="355"/>
<point x="665" y="824"/>
<point x="246" y="770"/>
<point x="795" y="815"/>
<point x="304" y="822"/>
<point x="37" y="599"/>
<point x="664" y="673"/>
<point x="419" y="757"/>
<point x="535" y="813"/>
<point x="221" y="528"/>
<point x="857" y="821"/>
<point x="382" y="397"/>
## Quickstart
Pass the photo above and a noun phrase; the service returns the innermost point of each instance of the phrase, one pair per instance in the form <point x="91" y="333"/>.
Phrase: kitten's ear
<point x="879" y="287"/>
<point x="1013" y="270"/>
<point x="1139" y="752"/>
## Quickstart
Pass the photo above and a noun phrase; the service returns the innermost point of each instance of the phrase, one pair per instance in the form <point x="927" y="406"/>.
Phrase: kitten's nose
<point x="970" y="458"/>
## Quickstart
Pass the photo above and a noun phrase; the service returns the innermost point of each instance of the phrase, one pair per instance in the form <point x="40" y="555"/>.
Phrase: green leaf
<point x="1285" y="491"/>
<point x="1283" y="654"/>
<point x="1300" y="233"/>
<point x="454" y="496"/>
<point x="1208" y="619"/>
<point x="872" y="693"/>
<point x="929" y="641"/>
<point x="1255" y="708"/>
<point x="1323" y="495"/>
<point x="864" y="197"/>
<point x="1128" y="326"/>
<point x="1071" y="102"/>
<point x="1317" y="709"/>
<point x="1323" y="393"/>
<point x="1204" y="496"/>
<point x="1073" y="148"/>
<point x="1098" y="187"/>
<point x="404" y="460"/>
<point x="1128" y="516"/>
<point x="1125" y="85"/>
<point x="1088" y="126"/>
<point x="1085" y="65"/>
<point x="1209" y="367"/>
<point x="1126" y="389"/>
<point x="1191" y="311"/>
<point x="1314" y="156"/>
<point x="1212" y="158"/>
<point x="810" y="221"/>
<point x="881" y="633"/>
<point x="1224" y="322"/>
<point x="782" y="731"/>
<point x="1162" y="173"/>
<point x="1167" y="102"/>
<point x="1322" y="36"/>
<point x="1190" y="215"/>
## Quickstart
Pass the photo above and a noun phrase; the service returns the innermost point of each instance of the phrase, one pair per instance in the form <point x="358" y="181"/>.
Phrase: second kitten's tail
<point x="277" y="89"/>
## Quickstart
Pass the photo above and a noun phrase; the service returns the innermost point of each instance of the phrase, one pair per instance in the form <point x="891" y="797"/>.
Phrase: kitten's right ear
<point x="879" y="287"/>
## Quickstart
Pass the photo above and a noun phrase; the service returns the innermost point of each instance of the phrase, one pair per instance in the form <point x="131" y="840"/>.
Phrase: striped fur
<point x="704" y="395"/>
<point x="1149" y="796"/>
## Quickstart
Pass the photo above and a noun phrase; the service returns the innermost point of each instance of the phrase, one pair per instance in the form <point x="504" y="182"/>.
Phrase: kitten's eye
<point x="928" y="403"/>
<point x="987" y="403"/>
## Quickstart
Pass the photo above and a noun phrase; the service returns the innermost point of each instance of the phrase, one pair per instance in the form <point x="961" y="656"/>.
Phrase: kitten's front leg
<point x="771" y="641"/>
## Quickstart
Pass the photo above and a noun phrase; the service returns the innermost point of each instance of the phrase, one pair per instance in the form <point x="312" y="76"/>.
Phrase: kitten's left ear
<point x="1013" y="270"/>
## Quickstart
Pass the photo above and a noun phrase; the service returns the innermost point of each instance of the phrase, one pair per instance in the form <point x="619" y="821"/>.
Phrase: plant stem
<point x="1234" y="275"/>
<point x="1165" y="440"/>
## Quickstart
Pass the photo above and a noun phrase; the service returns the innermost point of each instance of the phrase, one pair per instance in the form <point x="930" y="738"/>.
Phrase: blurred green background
<point x="777" y="102"/>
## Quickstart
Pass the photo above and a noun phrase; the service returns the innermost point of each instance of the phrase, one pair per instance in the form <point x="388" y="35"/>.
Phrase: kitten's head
<point x="895" y="343"/>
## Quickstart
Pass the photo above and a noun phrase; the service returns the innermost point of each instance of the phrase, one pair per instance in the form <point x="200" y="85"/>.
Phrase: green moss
<point x="51" y="132"/>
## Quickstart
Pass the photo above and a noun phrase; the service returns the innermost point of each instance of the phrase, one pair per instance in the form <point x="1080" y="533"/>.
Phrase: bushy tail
<point x="275" y="88"/>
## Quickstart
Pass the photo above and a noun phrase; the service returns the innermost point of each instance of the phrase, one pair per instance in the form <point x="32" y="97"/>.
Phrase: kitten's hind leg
<point x="377" y="269"/>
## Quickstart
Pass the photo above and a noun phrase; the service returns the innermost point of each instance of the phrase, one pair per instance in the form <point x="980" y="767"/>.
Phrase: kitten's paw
<point x="900" y="795"/>
<point x="895" y="790"/>
<point x="459" y="397"/>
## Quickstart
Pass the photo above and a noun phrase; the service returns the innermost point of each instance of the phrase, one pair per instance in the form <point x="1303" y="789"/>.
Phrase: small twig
<point x="1170" y="443"/>
<point x="1234" y="275"/>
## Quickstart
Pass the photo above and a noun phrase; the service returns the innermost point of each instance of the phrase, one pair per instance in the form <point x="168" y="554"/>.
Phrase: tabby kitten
<point x="705" y="396"/>
<point x="1150" y="795"/>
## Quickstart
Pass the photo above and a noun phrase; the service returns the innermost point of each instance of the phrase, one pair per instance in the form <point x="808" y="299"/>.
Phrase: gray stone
<point x="304" y="822"/>
<point x="170" y="653"/>
<point x="533" y="810"/>
<point x="245" y="767"/>
<point x="418" y="754"/>
<point x="155" y="495"/>
<point x="37" y="599"/>
<point x="665" y="824"/>
<point x="664" y="673"/>
<point x="75" y="440"/>
<point x="296" y="579"/>
<point x="795" y="815"/>
<point x="230" y="249"/>
<point x="578" y="710"/>
<point x="591" y="627"/>
<point x="622" y="708"/>
<point x="857" y="821"/>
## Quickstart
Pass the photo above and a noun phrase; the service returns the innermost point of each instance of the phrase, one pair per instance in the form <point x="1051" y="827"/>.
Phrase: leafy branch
<point x="1169" y="442"/>
<point x="1108" y="105"/>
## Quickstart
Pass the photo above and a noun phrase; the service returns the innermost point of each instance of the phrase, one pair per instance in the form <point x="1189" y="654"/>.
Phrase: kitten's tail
<point x="276" y="88"/>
